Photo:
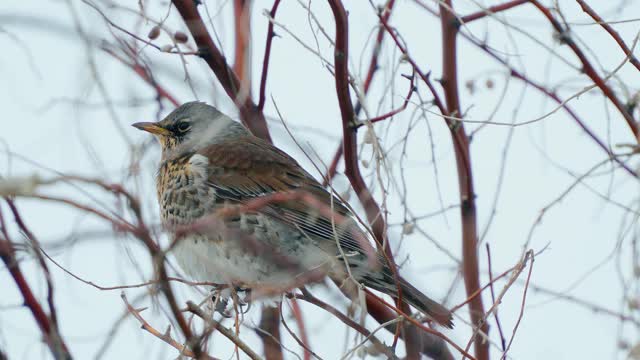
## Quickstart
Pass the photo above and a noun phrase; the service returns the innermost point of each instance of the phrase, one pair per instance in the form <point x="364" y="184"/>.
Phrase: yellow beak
<point x="152" y="128"/>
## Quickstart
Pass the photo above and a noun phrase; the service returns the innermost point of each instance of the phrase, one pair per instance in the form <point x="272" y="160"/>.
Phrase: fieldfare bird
<point x="211" y="163"/>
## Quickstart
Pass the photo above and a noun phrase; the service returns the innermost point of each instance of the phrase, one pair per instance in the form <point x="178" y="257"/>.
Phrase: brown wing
<point x="250" y="167"/>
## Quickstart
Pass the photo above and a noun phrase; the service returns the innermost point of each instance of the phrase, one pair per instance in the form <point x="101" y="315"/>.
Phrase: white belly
<point x="206" y="261"/>
<point x="203" y="260"/>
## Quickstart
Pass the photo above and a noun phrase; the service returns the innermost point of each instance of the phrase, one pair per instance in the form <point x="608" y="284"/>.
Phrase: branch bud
<point x="154" y="33"/>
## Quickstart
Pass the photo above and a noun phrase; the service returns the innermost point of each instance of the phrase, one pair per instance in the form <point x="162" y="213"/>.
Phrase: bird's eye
<point x="183" y="126"/>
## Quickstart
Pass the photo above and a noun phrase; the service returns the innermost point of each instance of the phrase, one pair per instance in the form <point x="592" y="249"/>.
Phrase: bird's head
<point x="192" y="126"/>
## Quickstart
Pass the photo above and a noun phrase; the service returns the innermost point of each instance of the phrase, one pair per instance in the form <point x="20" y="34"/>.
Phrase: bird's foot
<point x="220" y="300"/>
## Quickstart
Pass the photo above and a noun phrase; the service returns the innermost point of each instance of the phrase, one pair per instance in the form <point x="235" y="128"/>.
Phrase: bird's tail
<point x="411" y="296"/>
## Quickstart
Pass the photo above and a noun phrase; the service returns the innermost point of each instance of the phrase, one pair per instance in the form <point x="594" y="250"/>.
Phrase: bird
<point x="211" y="163"/>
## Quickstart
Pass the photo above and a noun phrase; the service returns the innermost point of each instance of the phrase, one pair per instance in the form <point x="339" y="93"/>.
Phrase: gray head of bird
<point x="192" y="126"/>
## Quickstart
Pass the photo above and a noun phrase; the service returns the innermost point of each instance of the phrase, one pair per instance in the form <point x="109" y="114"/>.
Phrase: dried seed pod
<point x="154" y="33"/>
<point x="471" y="86"/>
<point x="490" y="84"/>
<point x="368" y="136"/>
<point x="180" y="37"/>
<point x="407" y="228"/>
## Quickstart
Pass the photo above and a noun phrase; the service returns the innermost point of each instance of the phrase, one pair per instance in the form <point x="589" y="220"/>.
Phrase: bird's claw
<point x="221" y="301"/>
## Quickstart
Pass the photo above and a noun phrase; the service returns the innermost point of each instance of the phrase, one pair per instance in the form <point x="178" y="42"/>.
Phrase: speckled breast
<point x="183" y="193"/>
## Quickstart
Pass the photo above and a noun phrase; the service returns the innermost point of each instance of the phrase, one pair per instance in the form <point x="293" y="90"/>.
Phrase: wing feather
<point x="250" y="168"/>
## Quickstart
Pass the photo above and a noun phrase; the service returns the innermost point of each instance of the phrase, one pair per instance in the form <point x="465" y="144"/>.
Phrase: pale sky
<point x="54" y="116"/>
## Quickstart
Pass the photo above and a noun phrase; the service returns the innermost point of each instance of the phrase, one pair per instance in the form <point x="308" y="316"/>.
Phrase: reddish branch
<point x="461" y="147"/>
<point x="419" y="325"/>
<point x="373" y="67"/>
<point x="45" y="322"/>
<point x="588" y="69"/>
<point x="333" y="166"/>
<point x="308" y="297"/>
<point x="373" y="64"/>
<point x="550" y="94"/>
<point x="491" y="10"/>
<point x="267" y="55"/>
<point x="146" y="75"/>
<point x="302" y="340"/>
<point x="270" y="334"/>
<point x="465" y="179"/>
<point x="391" y="113"/>
<point x="54" y="341"/>
<point x="423" y="75"/>
<point x="242" y="17"/>
<point x="349" y="128"/>
<point x="432" y="346"/>
<point x="35" y="244"/>
<point x="251" y="116"/>
<point x="141" y="232"/>
<point x="352" y="171"/>
<point x="614" y="34"/>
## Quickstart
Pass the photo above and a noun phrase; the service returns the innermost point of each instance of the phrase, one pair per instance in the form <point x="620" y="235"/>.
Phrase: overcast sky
<point x="54" y="117"/>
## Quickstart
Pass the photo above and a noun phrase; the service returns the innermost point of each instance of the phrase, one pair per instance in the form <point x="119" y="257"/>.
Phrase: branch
<point x="413" y="323"/>
<point x="373" y="67"/>
<point x="520" y="76"/>
<point x="465" y="179"/>
<point x="241" y="65"/>
<point x="302" y="339"/>
<point x="251" y="116"/>
<point x="588" y="69"/>
<point x="308" y="297"/>
<point x="431" y="345"/>
<point x="270" y="334"/>
<point x="614" y="34"/>
<point x="146" y="75"/>
<point x="267" y="55"/>
<point x="35" y="244"/>
<point x="212" y="324"/>
<point x="349" y="128"/>
<point x="141" y="232"/>
<point x="412" y="89"/>
<point x="48" y="328"/>
<point x="166" y="337"/>
<point x="352" y="170"/>
<point x="491" y="11"/>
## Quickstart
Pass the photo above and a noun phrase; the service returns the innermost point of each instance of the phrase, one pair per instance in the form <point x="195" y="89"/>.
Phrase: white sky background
<point x="53" y="114"/>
